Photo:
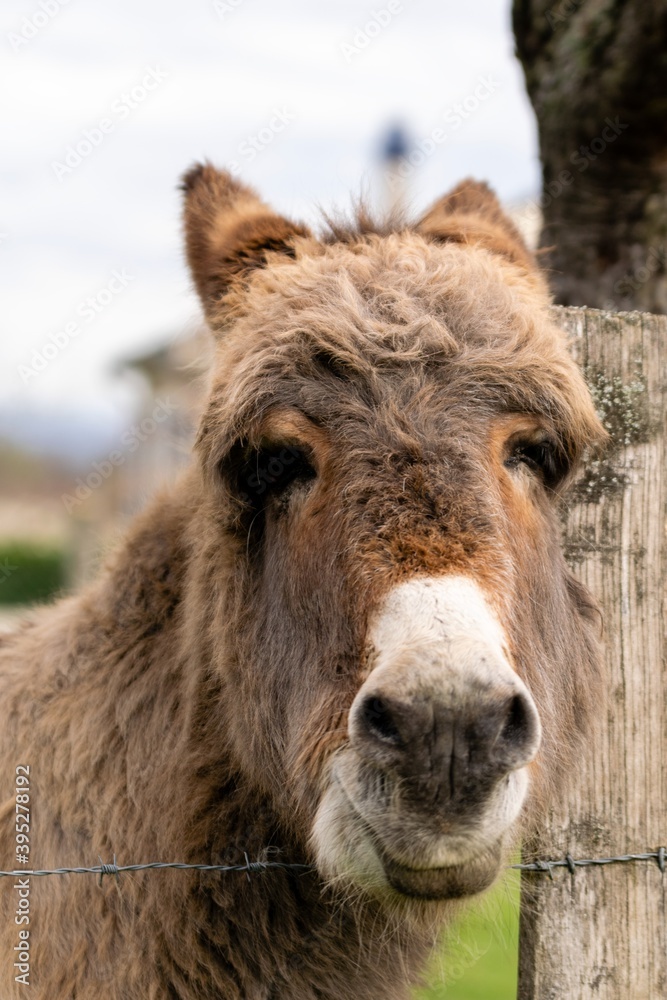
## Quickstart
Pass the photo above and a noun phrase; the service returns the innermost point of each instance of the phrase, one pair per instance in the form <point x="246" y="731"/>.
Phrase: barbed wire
<point x="545" y="867"/>
<point x="257" y="867"/>
<point x="249" y="867"/>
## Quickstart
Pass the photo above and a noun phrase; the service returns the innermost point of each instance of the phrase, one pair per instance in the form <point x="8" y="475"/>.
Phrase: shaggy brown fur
<point x="187" y="705"/>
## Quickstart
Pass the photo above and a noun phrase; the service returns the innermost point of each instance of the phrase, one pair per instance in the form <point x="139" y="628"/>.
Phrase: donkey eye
<point x="540" y="457"/>
<point x="273" y="471"/>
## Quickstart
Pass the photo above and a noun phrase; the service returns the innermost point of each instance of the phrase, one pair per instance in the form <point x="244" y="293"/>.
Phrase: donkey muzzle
<point x="449" y="739"/>
<point x="425" y="795"/>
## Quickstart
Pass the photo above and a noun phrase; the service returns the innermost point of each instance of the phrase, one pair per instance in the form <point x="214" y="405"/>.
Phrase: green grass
<point x="479" y="959"/>
<point x="28" y="573"/>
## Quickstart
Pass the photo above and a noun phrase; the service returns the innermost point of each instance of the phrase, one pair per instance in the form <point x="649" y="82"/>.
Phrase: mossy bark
<point x="596" y="73"/>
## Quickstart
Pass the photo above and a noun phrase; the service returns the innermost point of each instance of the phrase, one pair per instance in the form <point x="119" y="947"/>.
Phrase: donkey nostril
<point x="519" y="730"/>
<point x="516" y="721"/>
<point x="379" y="720"/>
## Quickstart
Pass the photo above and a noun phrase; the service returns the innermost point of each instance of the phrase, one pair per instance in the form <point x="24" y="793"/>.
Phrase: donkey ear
<point x="471" y="213"/>
<point x="228" y="233"/>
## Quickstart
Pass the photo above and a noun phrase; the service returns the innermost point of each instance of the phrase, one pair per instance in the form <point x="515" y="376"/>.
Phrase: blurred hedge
<point x="28" y="573"/>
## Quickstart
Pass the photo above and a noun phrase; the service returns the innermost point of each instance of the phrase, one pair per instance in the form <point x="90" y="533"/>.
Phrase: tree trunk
<point x="601" y="933"/>
<point x="596" y="73"/>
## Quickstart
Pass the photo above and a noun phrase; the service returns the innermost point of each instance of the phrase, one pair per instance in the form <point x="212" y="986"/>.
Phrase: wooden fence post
<point x="601" y="934"/>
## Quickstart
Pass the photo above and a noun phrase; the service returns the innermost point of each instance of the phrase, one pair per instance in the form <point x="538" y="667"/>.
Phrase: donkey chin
<point x="423" y="799"/>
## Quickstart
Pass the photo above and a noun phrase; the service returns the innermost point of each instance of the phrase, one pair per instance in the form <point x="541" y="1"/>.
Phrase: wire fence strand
<point x="546" y="867"/>
<point x="542" y="867"/>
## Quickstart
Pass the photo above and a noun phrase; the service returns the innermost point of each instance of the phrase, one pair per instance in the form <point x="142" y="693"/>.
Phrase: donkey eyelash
<point x="271" y="471"/>
<point x="541" y="457"/>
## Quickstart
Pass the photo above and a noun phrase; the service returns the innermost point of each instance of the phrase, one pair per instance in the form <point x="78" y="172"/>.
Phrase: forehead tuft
<point x="400" y="290"/>
<point x="386" y="310"/>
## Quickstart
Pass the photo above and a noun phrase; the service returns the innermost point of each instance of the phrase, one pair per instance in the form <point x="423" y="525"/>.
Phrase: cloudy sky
<point x="296" y="95"/>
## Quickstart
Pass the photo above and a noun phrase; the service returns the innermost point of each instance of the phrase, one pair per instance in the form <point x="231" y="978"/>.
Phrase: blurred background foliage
<point x="479" y="960"/>
<point x="30" y="573"/>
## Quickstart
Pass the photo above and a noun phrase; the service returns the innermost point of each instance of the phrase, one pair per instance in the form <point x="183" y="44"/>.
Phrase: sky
<point x="106" y="104"/>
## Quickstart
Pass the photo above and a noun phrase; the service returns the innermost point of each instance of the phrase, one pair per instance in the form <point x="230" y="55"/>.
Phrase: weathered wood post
<point x="601" y="934"/>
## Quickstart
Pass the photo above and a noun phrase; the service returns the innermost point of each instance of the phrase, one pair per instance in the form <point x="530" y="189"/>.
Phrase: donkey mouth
<point x="455" y="880"/>
<point x="404" y="854"/>
<point x="448" y="882"/>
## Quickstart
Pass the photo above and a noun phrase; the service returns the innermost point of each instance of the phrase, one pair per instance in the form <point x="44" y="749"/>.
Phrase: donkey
<point x="348" y="640"/>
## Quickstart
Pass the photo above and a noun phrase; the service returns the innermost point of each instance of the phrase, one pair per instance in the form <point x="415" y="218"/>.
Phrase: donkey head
<point x="392" y="423"/>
